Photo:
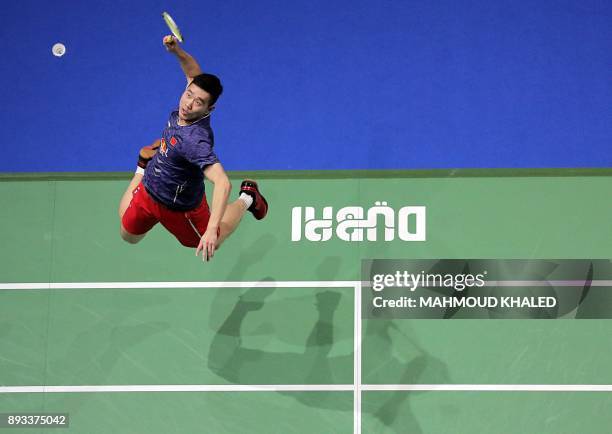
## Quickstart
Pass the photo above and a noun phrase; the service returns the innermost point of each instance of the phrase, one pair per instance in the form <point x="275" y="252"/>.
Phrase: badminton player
<point x="168" y="186"/>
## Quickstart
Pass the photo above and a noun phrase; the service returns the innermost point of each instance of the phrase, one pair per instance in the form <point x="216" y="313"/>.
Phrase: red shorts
<point x="144" y="212"/>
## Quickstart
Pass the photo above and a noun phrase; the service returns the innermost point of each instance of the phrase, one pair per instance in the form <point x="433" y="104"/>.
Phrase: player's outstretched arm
<point x="189" y="65"/>
<point x="210" y="240"/>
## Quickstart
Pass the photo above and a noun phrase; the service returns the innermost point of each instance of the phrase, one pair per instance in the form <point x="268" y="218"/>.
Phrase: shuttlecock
<point x="58" y="49"/>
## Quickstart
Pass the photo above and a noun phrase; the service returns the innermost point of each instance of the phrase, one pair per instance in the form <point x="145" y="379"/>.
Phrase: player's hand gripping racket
<point x="173" y="27"/>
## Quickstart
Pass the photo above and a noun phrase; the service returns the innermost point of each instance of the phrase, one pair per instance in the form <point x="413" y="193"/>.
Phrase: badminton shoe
<point x="259" y="207"/>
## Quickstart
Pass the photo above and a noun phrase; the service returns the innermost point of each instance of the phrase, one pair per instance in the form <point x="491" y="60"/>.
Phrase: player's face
<point x="194" y="104"/>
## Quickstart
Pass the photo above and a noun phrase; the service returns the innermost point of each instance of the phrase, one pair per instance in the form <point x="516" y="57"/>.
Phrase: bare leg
<point x="123" y="206"/>
<point x="127" y="196"/>
<point x="231" y="219"/>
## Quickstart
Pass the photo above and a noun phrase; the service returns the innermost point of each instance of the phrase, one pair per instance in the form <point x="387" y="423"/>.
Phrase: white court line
<point x="514" y="283"/>
<point x="263" y="284"/>
<point x="310" y="388"/>
<point x="357" y="361"/>
<point x="181" y="388"/>
<point x="489" y="387"/>
<point x="570" y="283"/>
<point x="153" y="285"/>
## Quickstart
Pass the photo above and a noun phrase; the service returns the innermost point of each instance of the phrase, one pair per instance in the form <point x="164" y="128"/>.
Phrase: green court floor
<point x="266" y="332"/>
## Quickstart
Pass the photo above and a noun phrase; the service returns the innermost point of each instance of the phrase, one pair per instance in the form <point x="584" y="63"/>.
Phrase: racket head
<point x="172" y="26"/>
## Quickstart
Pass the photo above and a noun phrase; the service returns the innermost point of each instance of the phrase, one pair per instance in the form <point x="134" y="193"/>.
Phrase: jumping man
<point x="168" y="186"/>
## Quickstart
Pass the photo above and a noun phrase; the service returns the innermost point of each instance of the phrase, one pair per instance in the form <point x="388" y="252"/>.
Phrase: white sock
<point x="247" y="199"/>
<point x="140" y="170"/>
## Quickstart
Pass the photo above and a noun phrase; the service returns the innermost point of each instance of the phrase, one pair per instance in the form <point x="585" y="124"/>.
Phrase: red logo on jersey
<point x="173" y="141"/>
<point x="164" y="148"/>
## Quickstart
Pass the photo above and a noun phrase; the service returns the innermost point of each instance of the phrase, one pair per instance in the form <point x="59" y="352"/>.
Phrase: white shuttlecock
<point x="58" y="49"/>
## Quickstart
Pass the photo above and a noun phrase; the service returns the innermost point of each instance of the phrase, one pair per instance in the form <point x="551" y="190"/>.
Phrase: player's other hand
<point x="171" y="43"/>
<point x="208" y="244"/>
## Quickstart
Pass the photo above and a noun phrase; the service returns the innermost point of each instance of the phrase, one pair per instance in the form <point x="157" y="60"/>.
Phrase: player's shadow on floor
<point x="251" y="255"/>
<point x="234" y="362"/>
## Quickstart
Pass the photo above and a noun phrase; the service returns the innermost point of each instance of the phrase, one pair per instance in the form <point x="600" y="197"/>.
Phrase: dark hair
<point x="209" y="83"/>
